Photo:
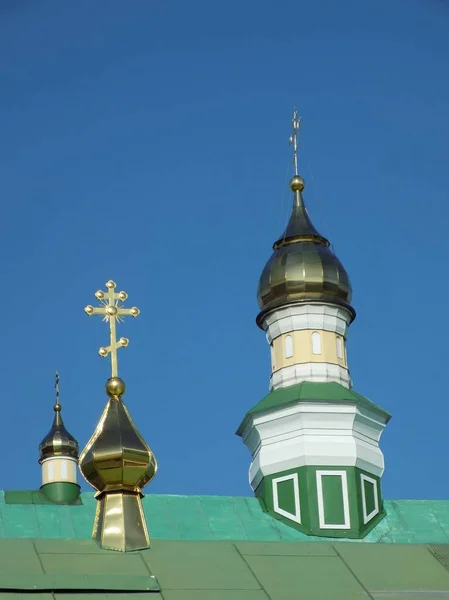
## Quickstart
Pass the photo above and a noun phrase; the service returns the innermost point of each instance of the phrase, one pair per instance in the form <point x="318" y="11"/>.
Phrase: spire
<point x="299" y="227"/>
<point x="57" y="388"/>
<point x="58" y="441"/>
<point x="296" y="122"/>
<point x="116" y="460"/>
<point x="302" y="268"/>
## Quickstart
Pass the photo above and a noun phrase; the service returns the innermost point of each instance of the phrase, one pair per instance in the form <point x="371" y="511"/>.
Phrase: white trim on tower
<point x="345" y="495"/>
<point x="292" y="516"/>
<point x="375" y="511"/>
<point x="327" y="317"/>
<point x="313" y="371"/>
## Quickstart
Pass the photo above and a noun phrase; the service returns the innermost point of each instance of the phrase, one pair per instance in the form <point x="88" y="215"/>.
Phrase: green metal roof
<point x="192" y="570"/>
<point x="218" y="548"/>
<point x="212" y="518"/>
<point x="308" y="391"/>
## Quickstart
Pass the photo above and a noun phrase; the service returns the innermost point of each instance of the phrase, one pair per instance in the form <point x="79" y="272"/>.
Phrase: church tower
<point x="314" y="441"/>
<point x="58" y="455"/>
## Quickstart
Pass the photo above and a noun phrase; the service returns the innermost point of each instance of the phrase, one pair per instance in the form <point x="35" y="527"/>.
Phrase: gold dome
<point x="117" y="458"/>
<point x="302" y="267"/>
<point x="58" y="441"/>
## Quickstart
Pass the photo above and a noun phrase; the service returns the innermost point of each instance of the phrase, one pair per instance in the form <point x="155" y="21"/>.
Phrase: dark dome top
<point x="58" y="441"/>
<point x="302" y="267"/>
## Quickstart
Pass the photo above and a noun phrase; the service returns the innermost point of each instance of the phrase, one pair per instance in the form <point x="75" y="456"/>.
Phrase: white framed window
<point x="51" y="470"/>
<point x="272" y="356"/>
<point x="374" y="505"/>
<point x="288" y="342"/>
<point x="339" y="347"/>
<point x="342" y="499"/>
<point x="316" y="343"/>
<point x="296" y="516"/>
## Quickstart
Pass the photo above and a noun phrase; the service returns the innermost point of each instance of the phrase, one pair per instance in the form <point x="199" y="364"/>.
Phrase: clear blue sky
<point x="147" y="142"/>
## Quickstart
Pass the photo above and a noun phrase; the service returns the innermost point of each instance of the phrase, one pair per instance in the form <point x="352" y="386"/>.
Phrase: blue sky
<point x="147" y="142"/>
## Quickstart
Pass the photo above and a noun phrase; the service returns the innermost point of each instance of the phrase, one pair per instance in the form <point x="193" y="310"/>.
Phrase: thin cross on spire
<point x="296" y="122"/>
<point x="57" y="388"/>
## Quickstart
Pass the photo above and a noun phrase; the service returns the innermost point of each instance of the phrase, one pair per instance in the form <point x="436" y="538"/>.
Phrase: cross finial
<point x="57" y="405"/>
<point x="296" y="122"/>
<point x="112" y="310"/>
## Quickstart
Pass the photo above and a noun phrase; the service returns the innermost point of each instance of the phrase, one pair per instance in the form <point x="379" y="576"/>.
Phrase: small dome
<point x="302" y="267"/>
<point x="58" y="441"/>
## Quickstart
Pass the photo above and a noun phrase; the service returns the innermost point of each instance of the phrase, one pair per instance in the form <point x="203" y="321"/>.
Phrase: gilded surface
<point x="117" y="461"/>
<point x="116" y="457"/>
<point x="117" y="513"/>
<point x="302" y="267"/>
<point x="112" y="310"/>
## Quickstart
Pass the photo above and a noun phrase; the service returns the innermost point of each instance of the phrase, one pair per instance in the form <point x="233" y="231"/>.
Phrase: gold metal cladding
<point x="118" y="463"/>
<point x="302" y="267"/>
<point x="112" y="310"/>
<point x="120" y="522"/>
<point x="116" y="457"/>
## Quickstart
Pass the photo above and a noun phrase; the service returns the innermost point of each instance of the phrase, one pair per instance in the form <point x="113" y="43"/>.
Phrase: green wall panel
<point x="330" y="494"/>
<point x="332" y="486"/>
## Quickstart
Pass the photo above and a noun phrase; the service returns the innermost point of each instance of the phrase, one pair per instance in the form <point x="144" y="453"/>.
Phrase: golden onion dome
<point x="117" y="458"/>
<point x="58" y="441"/>
<point x="302" y="267"/>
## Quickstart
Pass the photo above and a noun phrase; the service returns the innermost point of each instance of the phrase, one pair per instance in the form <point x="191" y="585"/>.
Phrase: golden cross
<point x="112" y="310"/>
<point x="296" y="122"/>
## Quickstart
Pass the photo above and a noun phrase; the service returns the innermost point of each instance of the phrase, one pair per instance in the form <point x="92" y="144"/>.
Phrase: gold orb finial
<point x="115" y="387"/>
<point x="297" y="184"/>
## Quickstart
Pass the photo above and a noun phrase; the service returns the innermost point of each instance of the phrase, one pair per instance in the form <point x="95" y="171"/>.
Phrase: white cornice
<point x="307" y="433"/>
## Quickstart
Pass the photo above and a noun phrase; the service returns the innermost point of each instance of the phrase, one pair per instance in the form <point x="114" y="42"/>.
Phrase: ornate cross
<point x="112" y="310"/>
<point x="296" y="122"/>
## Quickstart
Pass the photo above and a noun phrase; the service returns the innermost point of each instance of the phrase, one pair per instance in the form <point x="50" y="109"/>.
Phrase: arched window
<point x="316" y="343"/>
<point x="339" y="347"/>
<point x="288" y="346"/>
<point x="272" y="356"/>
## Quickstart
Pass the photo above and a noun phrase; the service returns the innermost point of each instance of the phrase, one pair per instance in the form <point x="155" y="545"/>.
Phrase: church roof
<point x="218" y="548"/>
<point x="189" y="570"/>
<point x="28" y="514"/>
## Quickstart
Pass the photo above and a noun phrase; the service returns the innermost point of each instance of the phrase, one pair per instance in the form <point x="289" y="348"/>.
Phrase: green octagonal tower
<point x="316" y="462"/>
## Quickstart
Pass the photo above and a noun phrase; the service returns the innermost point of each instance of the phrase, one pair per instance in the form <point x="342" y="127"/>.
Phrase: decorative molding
<point x="328" y="317"/>
<point x="293" y="517"/>
<point x="311" y="371"/>
<point x="345" y="498"/>
<point x="375" y="511"/>
<point x="309" y="433"/>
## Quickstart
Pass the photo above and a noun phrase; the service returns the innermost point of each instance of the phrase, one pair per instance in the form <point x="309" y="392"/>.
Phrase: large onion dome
<point x="302" y="267"/>
<point x="58" y="441"/>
